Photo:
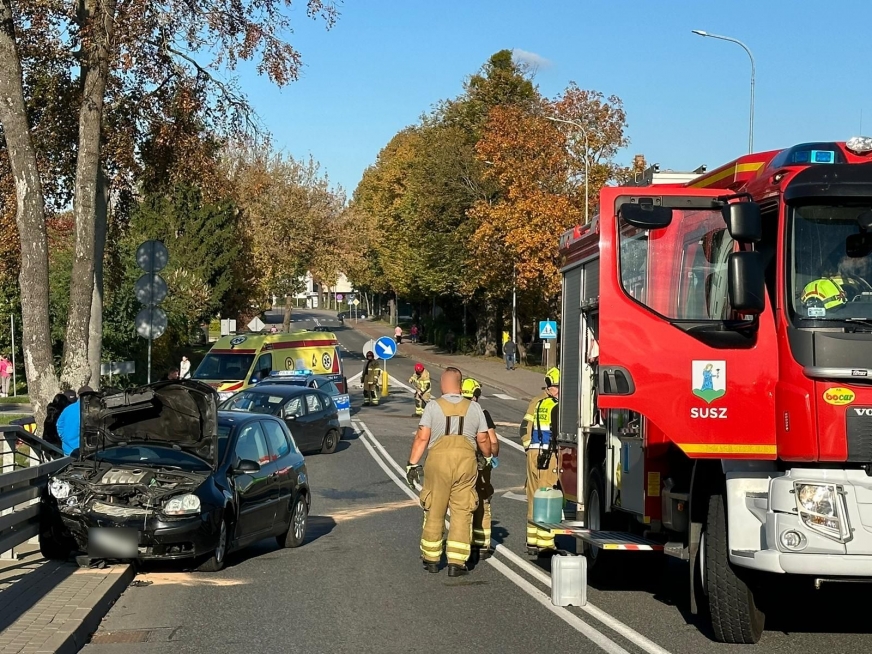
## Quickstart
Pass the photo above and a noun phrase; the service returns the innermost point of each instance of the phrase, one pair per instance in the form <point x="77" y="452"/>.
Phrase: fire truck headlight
<point x="821" y="508"/>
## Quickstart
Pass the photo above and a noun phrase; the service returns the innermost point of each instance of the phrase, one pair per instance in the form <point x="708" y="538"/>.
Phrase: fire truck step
<point x="608" y="540"/>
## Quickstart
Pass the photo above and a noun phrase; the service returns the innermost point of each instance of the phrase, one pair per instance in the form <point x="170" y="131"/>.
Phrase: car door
<point x="298" y="421"/>
<point x="279" y="442"/>
<point x="257" y="491"/>
<point x="317" y="418"/>
<point x="340" y="401"/>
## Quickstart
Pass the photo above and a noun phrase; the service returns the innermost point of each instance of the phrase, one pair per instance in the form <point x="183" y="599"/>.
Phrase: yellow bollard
<point x="384" y="376"/>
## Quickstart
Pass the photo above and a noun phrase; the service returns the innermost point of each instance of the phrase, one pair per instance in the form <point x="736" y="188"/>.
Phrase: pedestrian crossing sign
<point x="547" y="329"/>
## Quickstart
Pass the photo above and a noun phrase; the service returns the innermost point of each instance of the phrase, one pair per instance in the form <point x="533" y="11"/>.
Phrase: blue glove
<point x="494" y="462"/>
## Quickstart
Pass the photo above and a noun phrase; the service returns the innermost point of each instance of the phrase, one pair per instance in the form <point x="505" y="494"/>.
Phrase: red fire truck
<point x="716" y="376"/>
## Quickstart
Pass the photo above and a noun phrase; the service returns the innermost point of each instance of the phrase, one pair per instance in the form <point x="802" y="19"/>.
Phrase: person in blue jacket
<point x="69" y="424"/>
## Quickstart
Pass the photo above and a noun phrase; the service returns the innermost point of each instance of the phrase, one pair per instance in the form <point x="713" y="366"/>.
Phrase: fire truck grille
<point x="859" y="431"/>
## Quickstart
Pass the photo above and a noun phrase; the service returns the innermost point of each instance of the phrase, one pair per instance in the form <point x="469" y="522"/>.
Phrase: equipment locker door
<point x="670" y="346"/>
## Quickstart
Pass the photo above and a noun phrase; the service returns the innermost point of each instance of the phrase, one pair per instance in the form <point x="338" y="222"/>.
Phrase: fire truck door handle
<point x="615" y="380"/>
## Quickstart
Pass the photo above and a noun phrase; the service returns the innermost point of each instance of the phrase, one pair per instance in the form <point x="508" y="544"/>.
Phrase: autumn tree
<point x="289" y="216"/>
<point x="540" y="167"/>
<point x="123" y="50"/>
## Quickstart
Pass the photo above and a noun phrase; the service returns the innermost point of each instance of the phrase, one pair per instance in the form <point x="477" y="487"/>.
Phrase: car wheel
<point x="296" y="532"/>
<point x="216" y="560"/>
<point x="331" y="440"/>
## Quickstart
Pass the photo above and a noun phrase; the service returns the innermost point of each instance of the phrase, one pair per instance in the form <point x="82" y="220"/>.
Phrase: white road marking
<point x="503" y="396"/>
<point x="507" y="424"/>
<point x="393" y="381"/>
<point x="514" y="496"/>
<point x="596" y="636"/>
<point x="511" y="443"/>
<point x="613" y="623"/>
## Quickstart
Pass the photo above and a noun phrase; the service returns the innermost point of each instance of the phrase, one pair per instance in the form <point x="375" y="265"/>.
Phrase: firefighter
<point x="371" y="377"/>
<point x="536" y="436"/>
<point x="481" y="519"/>
<point x="449" y="432"/>
<point x="421" y="381"/>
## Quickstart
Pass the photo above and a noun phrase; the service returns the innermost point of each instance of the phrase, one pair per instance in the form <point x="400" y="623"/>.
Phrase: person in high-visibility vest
<point x="371" y="376"/>
<point x="450" y="431"/>
<point x="421" y="381"/>
<point x="538" y="428"/>
<point x="481" y="518"/>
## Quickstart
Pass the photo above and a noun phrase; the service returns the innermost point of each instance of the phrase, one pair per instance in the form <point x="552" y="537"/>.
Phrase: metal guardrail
<point x="26" y="461"/>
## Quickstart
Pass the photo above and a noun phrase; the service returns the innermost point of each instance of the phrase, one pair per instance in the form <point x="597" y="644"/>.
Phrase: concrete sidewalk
<point x="519" y="383"/>
<point x="51" y="606"/>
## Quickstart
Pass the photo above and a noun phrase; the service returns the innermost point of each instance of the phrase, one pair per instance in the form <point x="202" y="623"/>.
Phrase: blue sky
<point x="687" y="97"/>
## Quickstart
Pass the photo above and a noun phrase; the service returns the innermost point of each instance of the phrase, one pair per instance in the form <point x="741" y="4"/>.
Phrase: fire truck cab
<point x="716" y="376"/>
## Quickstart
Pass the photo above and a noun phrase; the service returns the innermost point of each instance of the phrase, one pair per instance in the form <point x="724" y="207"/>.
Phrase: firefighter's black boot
<point x="455" y="570"/>
<point x="431" y="567"/>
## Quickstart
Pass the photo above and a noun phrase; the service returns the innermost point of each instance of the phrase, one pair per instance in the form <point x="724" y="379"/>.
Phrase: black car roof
<point x="236" y="418"/>
<point x="284" y="390"/>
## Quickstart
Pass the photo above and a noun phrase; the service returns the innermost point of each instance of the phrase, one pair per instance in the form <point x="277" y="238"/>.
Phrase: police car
<point x="326" y="383"/>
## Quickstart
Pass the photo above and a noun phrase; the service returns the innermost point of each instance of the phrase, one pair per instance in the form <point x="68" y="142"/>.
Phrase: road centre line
<point x="564" y="614"/>
<point x="511" y="443"/>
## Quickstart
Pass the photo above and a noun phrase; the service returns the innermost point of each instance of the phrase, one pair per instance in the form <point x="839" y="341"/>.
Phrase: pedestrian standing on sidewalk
<point x="5" y="375"/>
<point x="413" y="332"/>
<point x="449" y="432"/>
<point x="398" y="334"/>
<point x="450" y="341"/>
<point x="481" y="518"/>
<point x="510" y="351"/>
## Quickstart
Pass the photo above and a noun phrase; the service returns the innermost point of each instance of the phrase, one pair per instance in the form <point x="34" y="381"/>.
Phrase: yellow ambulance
<point x="236" y="362"/>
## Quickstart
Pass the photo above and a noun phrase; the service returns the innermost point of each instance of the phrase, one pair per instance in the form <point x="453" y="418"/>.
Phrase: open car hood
<point x="181" y="414"/>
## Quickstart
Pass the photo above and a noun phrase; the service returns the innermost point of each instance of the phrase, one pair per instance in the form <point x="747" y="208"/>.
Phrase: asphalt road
<point x="357" y="584"/>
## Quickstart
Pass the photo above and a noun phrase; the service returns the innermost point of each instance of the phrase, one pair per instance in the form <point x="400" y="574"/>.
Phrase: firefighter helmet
<point x="470" y="388"/>
<point x="552" y="378"/>
<point x="826" y="293"/>
<point x="419" y="368"/>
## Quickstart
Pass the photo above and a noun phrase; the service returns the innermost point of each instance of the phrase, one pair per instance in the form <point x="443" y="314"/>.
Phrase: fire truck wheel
<point x="734" y="612"/>
<point x="600" y="563"/>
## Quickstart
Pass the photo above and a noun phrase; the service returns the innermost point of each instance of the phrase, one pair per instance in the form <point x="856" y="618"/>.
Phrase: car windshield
<point x="830" y="272"/>
<point x="232" y="367"/>
<point x="152" y="455"/>
<point x="255" y="402"/>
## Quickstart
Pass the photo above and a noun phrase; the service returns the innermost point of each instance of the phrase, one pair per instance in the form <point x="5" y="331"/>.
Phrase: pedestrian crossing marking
<point x="503" y="396"/>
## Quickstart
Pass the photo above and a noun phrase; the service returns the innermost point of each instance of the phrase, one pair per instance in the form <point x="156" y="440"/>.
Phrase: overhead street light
<point x="580" y="127"/>
<point x="753" y="70"/>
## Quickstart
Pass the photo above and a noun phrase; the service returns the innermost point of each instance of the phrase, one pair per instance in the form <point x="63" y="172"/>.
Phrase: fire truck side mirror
<point x="743" y="221"/>
<point x="746" y="284"/>
<point x="645" y="216"/>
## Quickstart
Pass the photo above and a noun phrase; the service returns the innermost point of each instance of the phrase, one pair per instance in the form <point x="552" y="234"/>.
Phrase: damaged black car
<point x="162" y="474"/>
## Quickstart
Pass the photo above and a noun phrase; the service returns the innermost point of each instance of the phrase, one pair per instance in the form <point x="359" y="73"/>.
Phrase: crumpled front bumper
<point x="160" y="538"/>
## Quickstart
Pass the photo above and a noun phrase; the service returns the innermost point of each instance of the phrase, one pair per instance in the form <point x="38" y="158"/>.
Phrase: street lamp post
<point x="586" y="163"/>
<point x="753" y="72"/>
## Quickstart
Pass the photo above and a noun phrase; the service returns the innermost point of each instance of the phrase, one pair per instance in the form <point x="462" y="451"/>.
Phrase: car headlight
<point x="182" y="505"/>
<point x="59" y="489"/>
<point x="223" y="395"/>
<point x="821" y="508"/>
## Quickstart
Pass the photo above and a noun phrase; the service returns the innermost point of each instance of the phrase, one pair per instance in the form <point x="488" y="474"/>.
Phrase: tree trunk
<point x="95" y="336"/>
<point x="42" y="382"/>
<point x="97" y="18"/>
<point x="286" y="319"/>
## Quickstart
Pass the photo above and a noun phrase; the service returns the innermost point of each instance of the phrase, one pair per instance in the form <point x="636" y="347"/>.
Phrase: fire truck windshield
<point x="830" y="263"/>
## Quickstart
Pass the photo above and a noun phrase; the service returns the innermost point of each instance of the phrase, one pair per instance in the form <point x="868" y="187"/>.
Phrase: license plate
<point x="113" y="543"/>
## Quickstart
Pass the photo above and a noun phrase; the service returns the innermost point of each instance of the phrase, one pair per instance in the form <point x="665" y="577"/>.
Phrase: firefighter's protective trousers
<point x="450" y="473"/>
<point x="422" y="391"/>
<point x="481" y="518"/>
<point x="371" y="379"/>
<point x="537" y="479"/>
<point x="537" y="440"/>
